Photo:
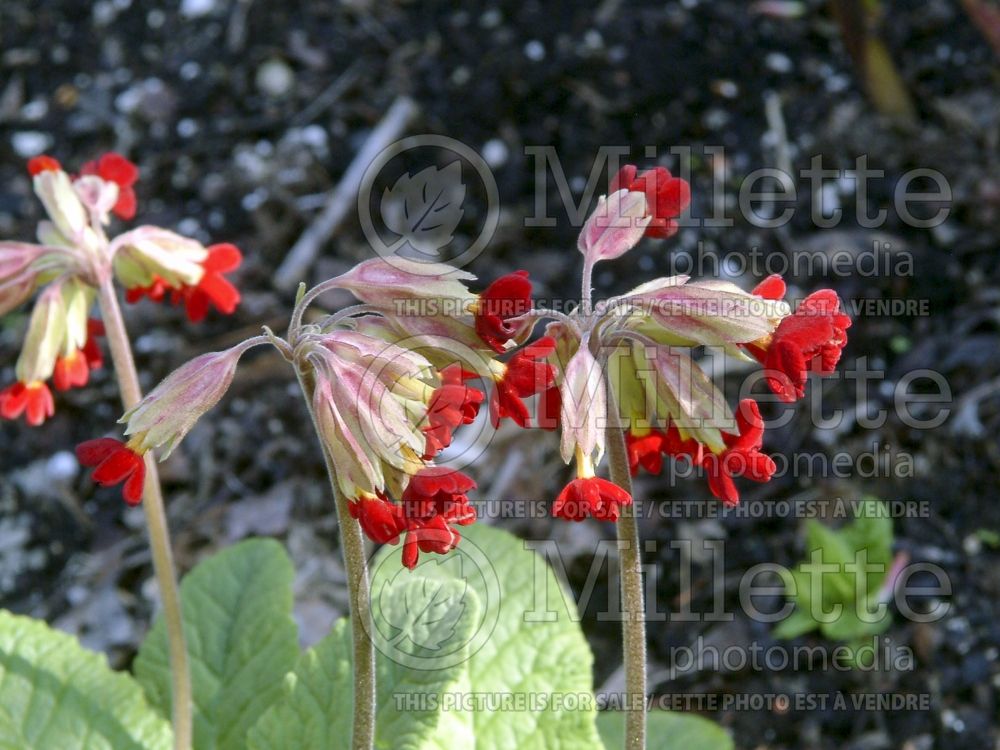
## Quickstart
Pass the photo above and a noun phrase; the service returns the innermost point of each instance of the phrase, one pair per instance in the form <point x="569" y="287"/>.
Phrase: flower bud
<point x="391" y="286"/>
<point x="584" y="409"/>
<point x="617" y="224"/>
<point x="54" y="188"/>
<point x="44" y="340"/>
<point x="18" y="273"/>
<point x="169" y="411"/>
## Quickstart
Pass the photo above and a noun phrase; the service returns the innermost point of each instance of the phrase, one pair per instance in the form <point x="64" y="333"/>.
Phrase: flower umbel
<point x="73" y="257"/>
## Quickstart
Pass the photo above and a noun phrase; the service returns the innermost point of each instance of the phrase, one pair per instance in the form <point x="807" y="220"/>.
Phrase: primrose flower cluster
<point x="391" y="379"/>
<point x="73" y="257"/>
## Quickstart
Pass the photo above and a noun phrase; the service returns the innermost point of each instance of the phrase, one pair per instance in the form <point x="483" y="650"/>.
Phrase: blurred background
<point x="243" y="116"/>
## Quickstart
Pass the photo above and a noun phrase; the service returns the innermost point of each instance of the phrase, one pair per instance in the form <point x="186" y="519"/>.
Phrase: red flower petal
<point x="506" y="298"/>
<point x="115" y="462"/>
<point x="39" y="164"/>
<point x="590" y="497"/>
<point x="773" y="287"/>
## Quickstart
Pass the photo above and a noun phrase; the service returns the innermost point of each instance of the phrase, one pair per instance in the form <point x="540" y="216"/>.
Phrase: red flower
<point x="212" y="289"/>
<point x="112" y="167"/>
<point x="71" y="371"/>
<point x="666" y="196"/>
<point x="452" y="404"/>
<point x="645" y="451"/>
<point x="810" y="339"/>
<point x="434" y="501"/>
<point x="506" y="298"/>
<point x="381" y="519"/>
<point x="91" y="349"/>
<point x="115" y="462"/>
<point x="34" y="400"/>
<point x="526" y="374"/>
<point x="39" y="164"/>
<point x="591" y="497"/>
<point x="742" y="457"/>
<point x="773" y="287"/>
<point x="549" y="408"/>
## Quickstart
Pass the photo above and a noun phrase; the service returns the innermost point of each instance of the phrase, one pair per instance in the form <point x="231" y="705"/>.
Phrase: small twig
<point x="344" y="197"/>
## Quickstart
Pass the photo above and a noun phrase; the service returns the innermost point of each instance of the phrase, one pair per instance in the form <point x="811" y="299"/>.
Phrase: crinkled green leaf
<point x="526" y="647"/>
<point x="428" y="617"/>
<point x="666" y="730"/>
<point x="866" y="541"/>
<point x="241" y="640"/>
<point x="57" y="695"/>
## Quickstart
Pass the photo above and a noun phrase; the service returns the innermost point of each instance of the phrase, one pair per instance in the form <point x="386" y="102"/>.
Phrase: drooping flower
<point x="115" y="462"/>
<point x="435" y="501"/>
<point x="809" y="340"/>
<point x="33" y="399"/>
<point x="453" y="404"/>
<point x="507" y="298"/>
<point x="381" y="519"/>
<point x="742" y="456"/>
<point x="590" y="497"/>
<point x="214" y="289"/>
<point x="666" y="196"/>
<point x="161" y="265"/>
<point x="645" y="450"/>
<point x="526" y="374"/>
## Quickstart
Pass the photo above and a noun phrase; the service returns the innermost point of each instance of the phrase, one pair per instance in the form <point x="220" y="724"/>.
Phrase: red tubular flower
<point x="39" y="164"/>
<point x="115" y="168"/>
<point x="91" y="349"/>
<point x="71" y="371"/>
<point x="381" y="519"/>
<point x="590" y="497"/>
<point x="34" y="400"/>
<point x="526" y="374"/>
<point x="810" y="339"/>
<point x="645" y="451"/>
<point x="506" y="298"/>
<point x="214" y="288"/>
<point x="452" y="404"/>
<point x="666" y="196"/>
<point x="742" y="457"/>
<point x="434" y="501"/>
<point x="114" y="462"/>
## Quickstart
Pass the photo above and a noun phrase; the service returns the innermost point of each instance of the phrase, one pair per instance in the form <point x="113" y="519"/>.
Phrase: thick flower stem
<point x="633" y="606"/>
<point x="352" y="544"/>
<point x="156" y="523"/>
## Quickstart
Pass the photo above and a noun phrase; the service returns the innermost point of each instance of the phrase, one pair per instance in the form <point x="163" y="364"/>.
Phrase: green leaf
<point x="56" y="694"/>
<point x="526" y="643"/>
<point x="241" y="641"/>
<point x="866" y="541"/>
<point x="666" y="730"/>
<point x="434" y="617"/>
<point x="796" y="624"/>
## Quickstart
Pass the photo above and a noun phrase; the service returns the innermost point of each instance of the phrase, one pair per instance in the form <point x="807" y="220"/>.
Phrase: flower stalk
<point x="156" y="522"/>
<point x="633" y="605"/>
<point x="352" y="545"/>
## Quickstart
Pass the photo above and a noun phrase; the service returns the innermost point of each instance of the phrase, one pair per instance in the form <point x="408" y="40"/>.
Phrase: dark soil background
<point x="243" y="115"/>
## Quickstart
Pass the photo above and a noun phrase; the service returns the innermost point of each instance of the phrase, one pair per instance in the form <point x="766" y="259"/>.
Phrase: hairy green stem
<point x="156" y="523"/>
<point x="352" y="544"/>
<point x="633" y="606"/>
